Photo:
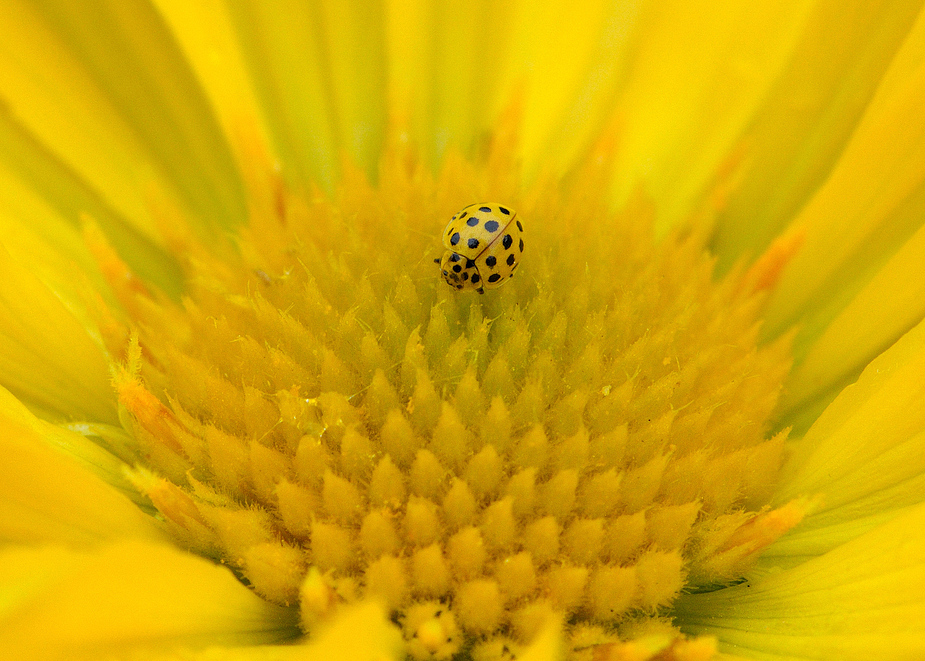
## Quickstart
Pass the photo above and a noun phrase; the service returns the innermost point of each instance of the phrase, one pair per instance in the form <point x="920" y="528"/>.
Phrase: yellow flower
<point x="244" y="417"/>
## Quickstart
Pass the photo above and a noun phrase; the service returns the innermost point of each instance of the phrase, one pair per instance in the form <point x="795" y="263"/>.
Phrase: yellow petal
<point x="548" y="644"/>
<point x="861" y="601"/>
<point x="885" y="308"/>
<point x="568" y="64"/>
<point x="440" y="80"/>
<point x="64" y="604"/>
<point x="797" y="134"/>
<point x="207" y="36"/>
<point x="110" y="92"/>
<point x="379" y="641"/>
<point x="31" y="227"/>
<point x="319" y="73"/>
<point x="50" y="496"/>
<point x="85" y="442"/>
<point x="695" y="81"/>
<point x="864" y="458"/>
<point x="866" y="210"/>
<point x="47" y="358"/>
<point x="42" y="202"/>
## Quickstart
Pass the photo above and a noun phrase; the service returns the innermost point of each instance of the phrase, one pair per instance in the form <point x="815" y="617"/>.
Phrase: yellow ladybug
<point x="483" y="246"/>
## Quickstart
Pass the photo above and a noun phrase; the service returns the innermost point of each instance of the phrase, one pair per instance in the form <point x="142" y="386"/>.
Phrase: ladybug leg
<point x="480" y="290"/>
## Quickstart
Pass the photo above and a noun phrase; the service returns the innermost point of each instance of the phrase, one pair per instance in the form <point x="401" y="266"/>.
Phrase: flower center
<point x="326" y="416"/>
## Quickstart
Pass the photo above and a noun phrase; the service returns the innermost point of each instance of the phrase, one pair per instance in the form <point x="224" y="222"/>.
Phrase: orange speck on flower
<point x="748" y="539"/>
<point x="767" y="269"/>
<point x="658" y="648"/>
<point x="151" y="414"/>
<point x="120" y="277"/>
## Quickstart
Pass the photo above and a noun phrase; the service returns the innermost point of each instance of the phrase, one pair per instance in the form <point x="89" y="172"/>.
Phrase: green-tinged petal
<point x="870" y="206"/>
<point x="445" y="60"/>
<point x="58" y="487"/>
<point x="358" y="633"/>
<point x="647" y="68"/>
<point x="792" y="142"/>
<point x="38" y="235"/>
<point x="51" y="95"/>
<point x="215" y="55"/>
<point x="696" y="80"/>
<point x="355" y="52"/>
<point x="82" y="441"/>
<point x="885" y="308"/>
<point x="571" y="65"/>
<point x="319" y="70"/>
<point x="860" y="601"/>
<point x="563" y="69"/>
<point x="864" y="458"/>
<point x="43" y="202"/>
<point x="108" y="91"/>
<point x="47" y="358"/>
<point x="65" y="604"/>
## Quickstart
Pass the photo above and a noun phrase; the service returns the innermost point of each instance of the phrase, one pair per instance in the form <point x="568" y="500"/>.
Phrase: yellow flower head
<point x="324" y="414"/>
<point x="263" y="411"/>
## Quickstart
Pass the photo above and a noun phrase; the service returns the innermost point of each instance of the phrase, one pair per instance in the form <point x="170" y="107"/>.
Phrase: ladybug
<point x="483" y="247"/>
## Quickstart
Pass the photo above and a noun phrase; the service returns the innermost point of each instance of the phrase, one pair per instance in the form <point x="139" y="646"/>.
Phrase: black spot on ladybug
<point x="475" y="278"/>
<point x="465" y="276"/>
<point x="485" y="209"/>
<point x="455" y="257"/>
<point x="507" y="242"/>
<point x="521" y="245"/>
<point x="463" y="215"/>
<point x="470" y="263"/>
<point x="491" y="261"/>
<point x="454" y="239"/>
<point x="472" y="222"/>
<point x="494" y="277"/>
<point x="473" y="244"/>
<point x="491" y="225"/>
<point x="458" y="286"/>
<point x="511" y="259"/>
<point x="457" y="268"/>
<point x="505" y="212"/>
<point x="519" y="226"/>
